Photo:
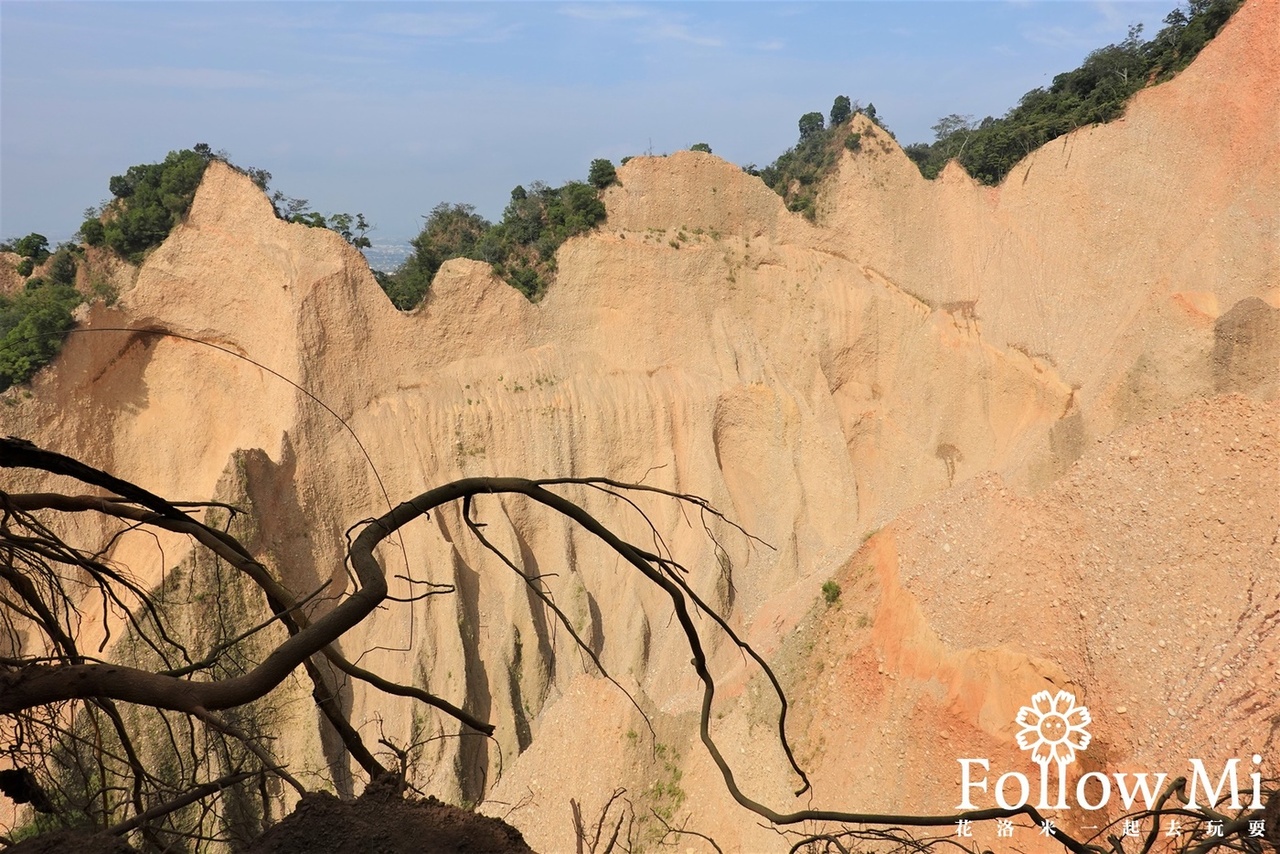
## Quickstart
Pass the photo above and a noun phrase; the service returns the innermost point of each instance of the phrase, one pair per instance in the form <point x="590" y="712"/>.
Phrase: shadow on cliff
<point x="380" y="820"/>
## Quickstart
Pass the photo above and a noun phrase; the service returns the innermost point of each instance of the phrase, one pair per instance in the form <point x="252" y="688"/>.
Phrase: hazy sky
<point x="390" y="108"/>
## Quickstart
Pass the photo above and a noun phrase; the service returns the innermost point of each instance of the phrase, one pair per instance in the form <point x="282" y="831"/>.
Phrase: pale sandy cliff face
<point x="10" y="281"/>
<point x="1055" y="401"/>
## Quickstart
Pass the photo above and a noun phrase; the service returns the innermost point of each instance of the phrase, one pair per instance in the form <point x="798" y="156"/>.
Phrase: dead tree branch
<point x="46" y="582"/>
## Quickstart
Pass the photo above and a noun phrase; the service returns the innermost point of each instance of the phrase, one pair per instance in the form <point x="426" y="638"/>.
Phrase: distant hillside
<point x="386" y="256"/>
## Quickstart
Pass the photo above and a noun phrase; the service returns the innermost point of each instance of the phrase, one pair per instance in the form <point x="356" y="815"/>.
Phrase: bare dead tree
<point x="670" y="831"/>
<point x="71" y="715"/>
<point x="592" y="839"/>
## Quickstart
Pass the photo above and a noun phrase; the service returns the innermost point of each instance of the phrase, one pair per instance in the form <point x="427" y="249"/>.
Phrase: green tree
<point x="574" y="209"/>
<point x="311" y="219"/>
<point x="948" y="125"/>
<point x="33" y="323"/>
<point x="522" y="221"/>
<point x="951" y="136"/>
<point x="798" y="172"/>
<point x="120" y="186"/>
<point x="33" y="246"/>
<point x="92" y="231"/>
<point x="521" y="248"/>
<point x="354" y="230"/>
<point x="150" y="199"/>
<point x="602" y="174"/>
<point x="261" y="177"/>
<point x="451" y="231"/>
<point x="841" y="110"/>
<point x="287" y="207"/>
<point x="810" y="124"/>
<point x="700" y="146"/>
<point x="62" y="269"/>
<point x="871" y="113"/>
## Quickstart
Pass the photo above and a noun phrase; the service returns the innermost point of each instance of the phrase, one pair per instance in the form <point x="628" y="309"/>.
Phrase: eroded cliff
<point x="1022" y="388"/>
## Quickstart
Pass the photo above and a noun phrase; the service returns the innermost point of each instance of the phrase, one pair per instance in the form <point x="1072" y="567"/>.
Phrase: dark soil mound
<point x="68" y="841"/>
<point x="382" y="821"/>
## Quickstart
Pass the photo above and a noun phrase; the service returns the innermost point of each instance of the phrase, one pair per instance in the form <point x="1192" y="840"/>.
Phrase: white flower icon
<point x="1053" y="728"/>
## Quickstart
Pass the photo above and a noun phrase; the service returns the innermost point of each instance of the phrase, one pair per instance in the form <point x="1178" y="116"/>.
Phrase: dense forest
<point x="148" y="200"/>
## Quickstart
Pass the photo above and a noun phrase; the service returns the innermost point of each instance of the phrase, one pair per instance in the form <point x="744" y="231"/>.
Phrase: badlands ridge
<point x="1030" y="430"/>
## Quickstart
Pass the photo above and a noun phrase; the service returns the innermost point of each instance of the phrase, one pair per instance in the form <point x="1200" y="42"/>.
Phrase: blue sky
<point x="391" y="108"/>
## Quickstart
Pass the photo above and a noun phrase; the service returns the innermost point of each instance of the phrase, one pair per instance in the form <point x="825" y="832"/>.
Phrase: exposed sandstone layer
<point x="1023" y="385"/>
<point x="10" y="281"/>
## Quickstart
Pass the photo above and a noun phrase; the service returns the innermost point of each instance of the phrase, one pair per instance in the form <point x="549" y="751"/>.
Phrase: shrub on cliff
<point x="92" y="231"/>
<point x="602" y="174"/>
<point x="62" y="267"/>
<point x="148" y="201"/>
<point x="810" y="124"/>
<point x="537" y="221"/>
<point x="1095" y="92"/>
<point x="841" y="110"/>
<point x="521" y="248"/>
<point x="32" y="325"/>
<point x="797" y="173"/>
<point x="34" y="321"/>
<point x="34" y="247"/>
<point x="451" y="231"/>
<point x="352" y="228"/>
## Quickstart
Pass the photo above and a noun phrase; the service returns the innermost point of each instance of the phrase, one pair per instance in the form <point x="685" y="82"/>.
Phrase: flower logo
<point x="1053" y="728"/>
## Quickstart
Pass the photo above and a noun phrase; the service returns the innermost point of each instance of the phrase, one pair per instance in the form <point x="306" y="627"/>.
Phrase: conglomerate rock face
<point x="1054" y="400"/>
